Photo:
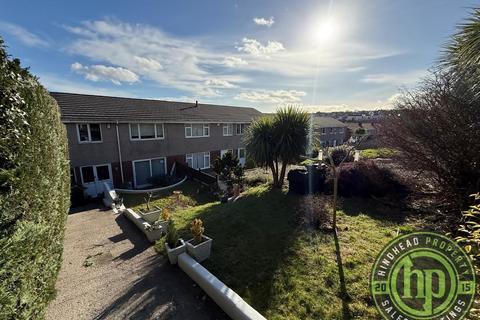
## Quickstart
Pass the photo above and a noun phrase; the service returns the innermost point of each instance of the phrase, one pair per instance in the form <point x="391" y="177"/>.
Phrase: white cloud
<point x="219" y="83"/>
<point x="23" y="35"/>
<point x="271" y="96"/>
<point x="403" y="78"/>
<point x="234" y="62"/>
<point x="255" y="48"/>
<point x="117" y="75"/>
<point x="147" y="64"/>
<point x="264" y="22"/>
<point x="179" y="63"/>
<point x="54" y="82"/>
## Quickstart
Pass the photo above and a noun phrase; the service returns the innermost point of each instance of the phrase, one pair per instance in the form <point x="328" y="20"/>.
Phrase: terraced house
<point x="125" y="141"/>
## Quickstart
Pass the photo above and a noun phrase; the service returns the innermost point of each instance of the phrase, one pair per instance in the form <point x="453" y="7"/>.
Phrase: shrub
<point x="435" y="129"/>
<point x="172" y="235"/>
<point x="197" y="230"/>
<point x="365" y="179"/>
<point x="469" y="232"/>
<point x="339" y="153"/>
<point x="34" y="194"/>
<point x="228" y="168"/>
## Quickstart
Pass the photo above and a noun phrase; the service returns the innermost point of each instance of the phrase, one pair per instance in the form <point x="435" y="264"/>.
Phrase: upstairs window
<point x="241" y="128"/>
<point x="196" y="130"/>
<point x="89" y="132"/>
<point x="323" y="130"/>
<point x="228" y="129"/>
<point x="146" y="131"/>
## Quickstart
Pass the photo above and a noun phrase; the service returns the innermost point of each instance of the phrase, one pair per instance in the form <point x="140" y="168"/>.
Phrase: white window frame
<point x="150" y="163"/>
<point x="189" y="126"/>
<point x="205" y="154"/>
<point x="95" y="175"/>
<point x="89" y="134"/>
<point x="244" y="153"/>
<point x="226" y="126"/>
<point x="146" y="139"/>
<point x="242" y="131"/>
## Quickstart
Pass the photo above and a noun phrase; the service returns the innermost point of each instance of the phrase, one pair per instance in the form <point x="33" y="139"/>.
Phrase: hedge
<point x="34" y="192"/>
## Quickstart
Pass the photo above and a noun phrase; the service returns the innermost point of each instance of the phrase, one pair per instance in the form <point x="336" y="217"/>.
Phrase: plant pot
<point x="151" y="216"/>
<point x="173" y="253"/>
<point x="201" y="251"/>
<point x="164" y="225"/>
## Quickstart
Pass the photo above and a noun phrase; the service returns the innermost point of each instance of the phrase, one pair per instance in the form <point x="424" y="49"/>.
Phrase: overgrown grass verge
<point x="287" y="271"/>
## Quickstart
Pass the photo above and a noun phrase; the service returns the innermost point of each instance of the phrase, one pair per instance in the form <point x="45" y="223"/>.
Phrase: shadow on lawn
<point x="343" y="287"/>
<point x="251" y="239"/>
<point x="375" y="209"/>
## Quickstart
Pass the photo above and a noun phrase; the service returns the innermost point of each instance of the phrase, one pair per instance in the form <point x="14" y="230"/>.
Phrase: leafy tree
<point x="34" y="192"/>
<point x="279" y="141"/>
<point x="228" y="168"/>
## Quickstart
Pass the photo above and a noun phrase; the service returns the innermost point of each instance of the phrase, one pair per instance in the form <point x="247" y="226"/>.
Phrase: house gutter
<point x="119" y="152"/>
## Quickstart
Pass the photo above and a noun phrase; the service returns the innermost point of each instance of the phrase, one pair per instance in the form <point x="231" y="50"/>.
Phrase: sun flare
<point x="325" y="31"/>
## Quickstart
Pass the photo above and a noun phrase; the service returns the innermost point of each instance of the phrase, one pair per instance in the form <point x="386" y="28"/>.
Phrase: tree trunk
<point x="274" y="174"/>
<point x="335" y="195"/>
<point x="282" y="174"/>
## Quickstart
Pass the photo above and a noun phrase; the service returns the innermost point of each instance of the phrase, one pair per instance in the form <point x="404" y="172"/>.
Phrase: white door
<point x="241" y="156"/>
<point x="93" y="178"/>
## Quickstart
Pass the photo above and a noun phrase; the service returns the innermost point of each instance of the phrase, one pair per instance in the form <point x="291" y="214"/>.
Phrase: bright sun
<point x="325" y="31"/>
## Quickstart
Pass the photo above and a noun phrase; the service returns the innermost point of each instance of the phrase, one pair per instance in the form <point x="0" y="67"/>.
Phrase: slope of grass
<point x="287" y="271"/>
<point x="193" y="194"/>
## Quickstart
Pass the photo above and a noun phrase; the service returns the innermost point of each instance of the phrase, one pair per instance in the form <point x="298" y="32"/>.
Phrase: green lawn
<point x="286" y="270"/>
<point x="377" y="153"/>
<point x="193" y="194"/>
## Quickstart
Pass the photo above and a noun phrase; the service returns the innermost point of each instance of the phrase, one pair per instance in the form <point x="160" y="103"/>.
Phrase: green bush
<point x="340" y="153"/>
<point x="34" y="192"/>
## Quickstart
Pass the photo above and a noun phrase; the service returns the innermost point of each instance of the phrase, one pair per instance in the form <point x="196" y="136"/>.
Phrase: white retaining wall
<point x="226" y="298"/>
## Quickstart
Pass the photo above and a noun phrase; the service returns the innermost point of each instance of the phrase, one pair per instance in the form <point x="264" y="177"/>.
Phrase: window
<point x="331" y="130"/>
<point x="87" y="174"/>
<point x="323" y="130"/>
<point x="241" y="128"/>
<point x="89" y="132"/>
<point x="225" y="151"/>
<point x="73" y="178"/>
<point x="146" y="169"/>
<point x="196" y="130"/>
<point x="241" y="153"/>
<point x="146" y="131"/>
<point x="200" y="160"/>
<point x="228" y="129"/>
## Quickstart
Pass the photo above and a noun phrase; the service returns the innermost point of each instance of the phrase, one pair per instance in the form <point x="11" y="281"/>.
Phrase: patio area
<point x="110" y="271"/>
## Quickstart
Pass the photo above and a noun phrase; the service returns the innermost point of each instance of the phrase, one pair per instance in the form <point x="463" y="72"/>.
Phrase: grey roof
<point x="326" y="122"/>
<point x="91" y="108"/>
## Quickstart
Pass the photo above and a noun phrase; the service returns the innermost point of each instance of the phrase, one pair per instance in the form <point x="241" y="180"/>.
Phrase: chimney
<point x="196" y="103"/>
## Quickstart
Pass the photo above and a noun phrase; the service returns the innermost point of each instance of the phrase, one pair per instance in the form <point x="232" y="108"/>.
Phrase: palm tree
<point x="291" y="130"/>
<point x="259" y="145"/>
<point x="463" y="52"/>
<point x="278" y="141"/>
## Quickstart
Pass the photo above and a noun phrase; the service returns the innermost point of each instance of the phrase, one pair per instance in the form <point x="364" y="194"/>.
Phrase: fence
<point x="199" y="175"/>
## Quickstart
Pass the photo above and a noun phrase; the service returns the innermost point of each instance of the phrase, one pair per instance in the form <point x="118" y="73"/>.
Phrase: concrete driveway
<point x="110" y="271"/>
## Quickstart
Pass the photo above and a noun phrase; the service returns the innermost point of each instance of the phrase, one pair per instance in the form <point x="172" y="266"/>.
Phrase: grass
<point x="286" y="270"/>
<point x="377" y="153"/>
<point x="193" y="193"/>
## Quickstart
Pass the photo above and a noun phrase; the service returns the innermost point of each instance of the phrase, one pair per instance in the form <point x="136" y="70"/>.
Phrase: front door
<point x="93" y="178"/>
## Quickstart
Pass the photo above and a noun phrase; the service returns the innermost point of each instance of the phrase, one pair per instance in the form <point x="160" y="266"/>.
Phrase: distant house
<point x="128" y="141"/>
<point x="329" y="131"/>
<point x="366" y="130"/>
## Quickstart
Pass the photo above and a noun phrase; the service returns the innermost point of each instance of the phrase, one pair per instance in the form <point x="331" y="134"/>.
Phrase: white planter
<point x="164" y="225"/>
<point x="175" y="252"/>
<point x="151" y="216"/>
<point x="200" y="252"/>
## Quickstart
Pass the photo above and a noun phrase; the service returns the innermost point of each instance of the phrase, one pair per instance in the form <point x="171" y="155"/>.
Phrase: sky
<point x="322" y="55"/>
